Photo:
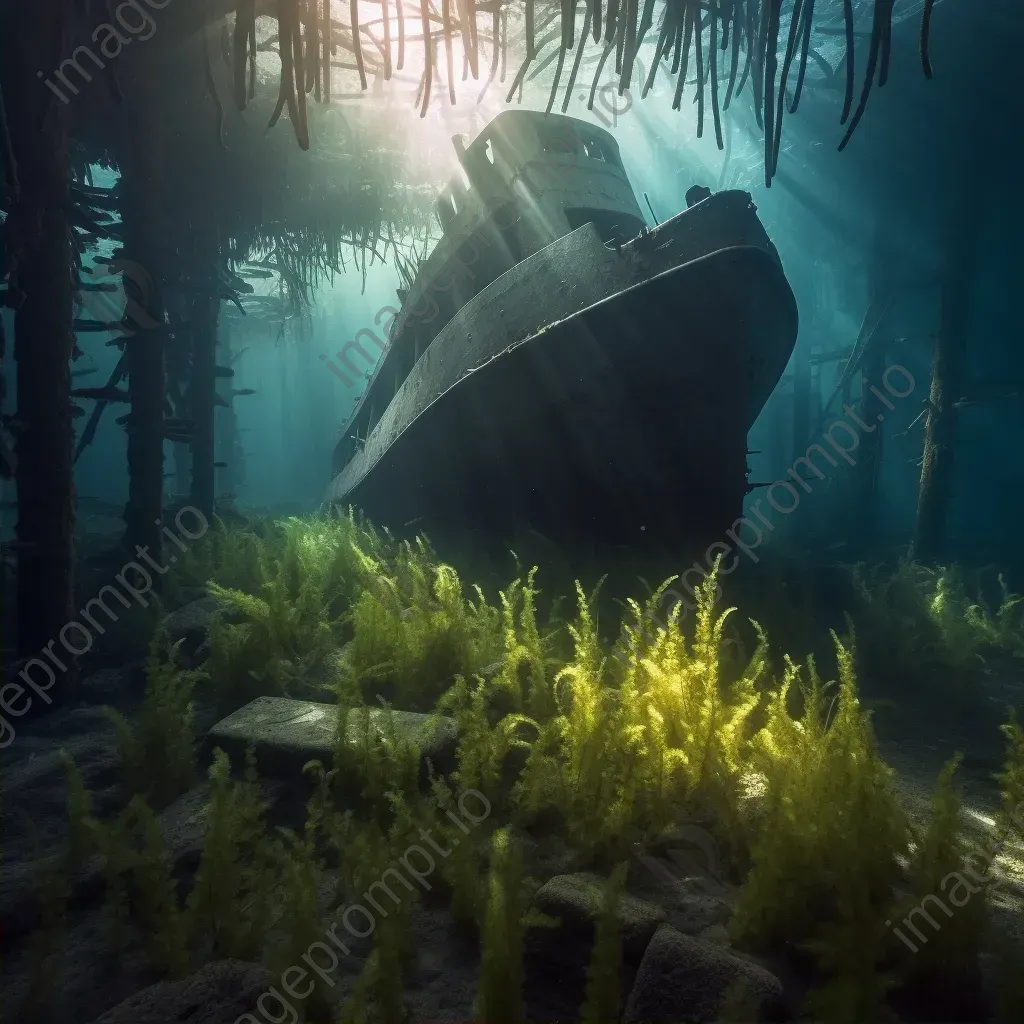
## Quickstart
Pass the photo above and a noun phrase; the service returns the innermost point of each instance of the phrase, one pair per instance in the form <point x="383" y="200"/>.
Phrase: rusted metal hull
<point x="621" y="420"/>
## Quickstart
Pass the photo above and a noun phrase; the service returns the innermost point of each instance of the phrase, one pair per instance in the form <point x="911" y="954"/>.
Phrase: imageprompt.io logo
<point x="690" y="857"/>
<point x="102" y="303"/>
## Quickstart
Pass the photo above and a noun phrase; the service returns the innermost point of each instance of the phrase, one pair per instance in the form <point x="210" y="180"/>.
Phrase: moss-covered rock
<point x="575" y="901"/>
<point x="683" y="978"/>
<point x="223" y="990"/>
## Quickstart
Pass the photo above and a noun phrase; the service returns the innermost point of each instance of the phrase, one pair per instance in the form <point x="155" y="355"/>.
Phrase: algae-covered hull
<point x="590" y="392"/>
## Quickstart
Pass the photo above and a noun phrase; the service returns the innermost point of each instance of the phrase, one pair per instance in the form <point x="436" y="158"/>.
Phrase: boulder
<point x="556" y="959"/>
<point x="287" y="733"/>
<point x="191" y="622"/>
<point x="683" y="978"/>
<point x="576" y="902"/>
<point x="220" y="993"/>
<point x="182" y="825"/>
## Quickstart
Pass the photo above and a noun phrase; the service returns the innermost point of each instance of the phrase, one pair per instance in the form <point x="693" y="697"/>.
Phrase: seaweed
<point x="500" y="995"/>
<point x="637" y="747"/>
<point x="921" y="624"/>
<point x="603" y="984"/>
<point x="229" y="906"/>
<point x="158" y="757"/>
<point x="829" y="835"/>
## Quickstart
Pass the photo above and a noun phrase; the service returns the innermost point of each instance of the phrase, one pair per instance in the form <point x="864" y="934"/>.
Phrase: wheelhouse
<point x="527" y="180"/>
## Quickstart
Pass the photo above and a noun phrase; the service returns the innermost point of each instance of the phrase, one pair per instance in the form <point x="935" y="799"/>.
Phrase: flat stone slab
<point x="286" y="734"/>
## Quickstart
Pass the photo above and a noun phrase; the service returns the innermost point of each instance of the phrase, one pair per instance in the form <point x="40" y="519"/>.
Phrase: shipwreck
<point x="558" y="365"/>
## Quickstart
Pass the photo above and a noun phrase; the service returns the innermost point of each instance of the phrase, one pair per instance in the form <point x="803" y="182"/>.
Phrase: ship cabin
<point x="527" y="180"/>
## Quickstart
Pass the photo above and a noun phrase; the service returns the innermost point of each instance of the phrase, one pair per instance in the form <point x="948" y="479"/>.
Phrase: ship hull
<point x="623" y="421"/>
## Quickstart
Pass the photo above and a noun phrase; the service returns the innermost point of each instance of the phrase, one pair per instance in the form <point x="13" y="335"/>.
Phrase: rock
<point x="683" y="978"/>
<point x="576" y="901"/>
<point x="182" y="826"/>
<point x="556" y="959"/>
<point x="191" y="622"/>
<point x="221" y="992"/>
<point x="111" y="685"/>
<point x="287" y="733"/>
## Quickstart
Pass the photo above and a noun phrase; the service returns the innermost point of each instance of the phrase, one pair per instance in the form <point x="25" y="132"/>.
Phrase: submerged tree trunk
<point x="202" y="398"/>
<point x="229" y="441"/>
<point x="869" y="464"/>
<point x="801" y="406"/>
<point x="143" y="189"/>
<point x="940" y="427"/>
<point x="39" y="258"/>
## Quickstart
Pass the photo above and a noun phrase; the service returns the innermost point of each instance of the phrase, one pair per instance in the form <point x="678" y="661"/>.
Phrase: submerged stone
<point x="577" y="900"/>
<point x="683" y="978"/>
<point x="224" y="990"/>
<point x="285" y="734"/>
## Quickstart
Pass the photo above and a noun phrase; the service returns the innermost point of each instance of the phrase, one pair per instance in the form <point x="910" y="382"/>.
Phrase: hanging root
<point x="579" y="56"/>
<point x="849" y="58"/>
<point x="880" y="31"/>
<point x="211" y="88"/>
<point x="387" y="40"/>
<point x="428" y="68"/>
<point x="290" y="42"/>
<point x="400" y="15"/>
<point x="775" y="142"/>
<point x="495" y="50"/>
<point x="449" y="60"/>
<point x="926" y="30"/>
<point x="805" y="50"/>
<point x="10" y="163"/>
<point x="357" y="48"/>
<point x="245" y="29"/>
<point x="327" y="47"/>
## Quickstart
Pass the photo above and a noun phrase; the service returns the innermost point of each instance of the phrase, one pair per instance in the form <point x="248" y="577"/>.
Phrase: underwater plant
<point x="158" y="756"/>
<point x="229" y="554"/>
<point x="829" y="835"/>
<point x="500" y="997"/>
<point x="413" y="631"/>
<point x="603" y="985"/>
<point x="920" y="624"/>
<point x="636" y="749"/>
<point x="944" y="964"/>
<point x="229" y="906"/>
<point x="1011" y="779"/>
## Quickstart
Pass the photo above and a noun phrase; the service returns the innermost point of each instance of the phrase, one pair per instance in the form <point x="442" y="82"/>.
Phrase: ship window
<point x="489" y="151"/>
<point x="598" y="149"/>
<point x="559" y="141"/>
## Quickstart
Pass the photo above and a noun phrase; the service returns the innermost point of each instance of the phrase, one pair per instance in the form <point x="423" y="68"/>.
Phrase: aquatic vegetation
<point x="372" y="762"/>
<point x="54" y="878"/>
<point x="158" y="757"/>
<point x="142" y="887"/>
<point x="500" y="997"/>
<point x="229" y="554"/>
<point x="944" y="877"/>
<point x="1011" y="779"/>
<point x="610" y="746"/>
<point x="526" y="665"/>
<point x="414" y="631"/>
<point x="603" y="984"/>
<point x="229" y="905"/>
<point x="280" y="644"/>
<point x="294" y="924"/>
<point x="635" y="749"/>
<point x="830" y="829"/>
<point x="920" y="623"/>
